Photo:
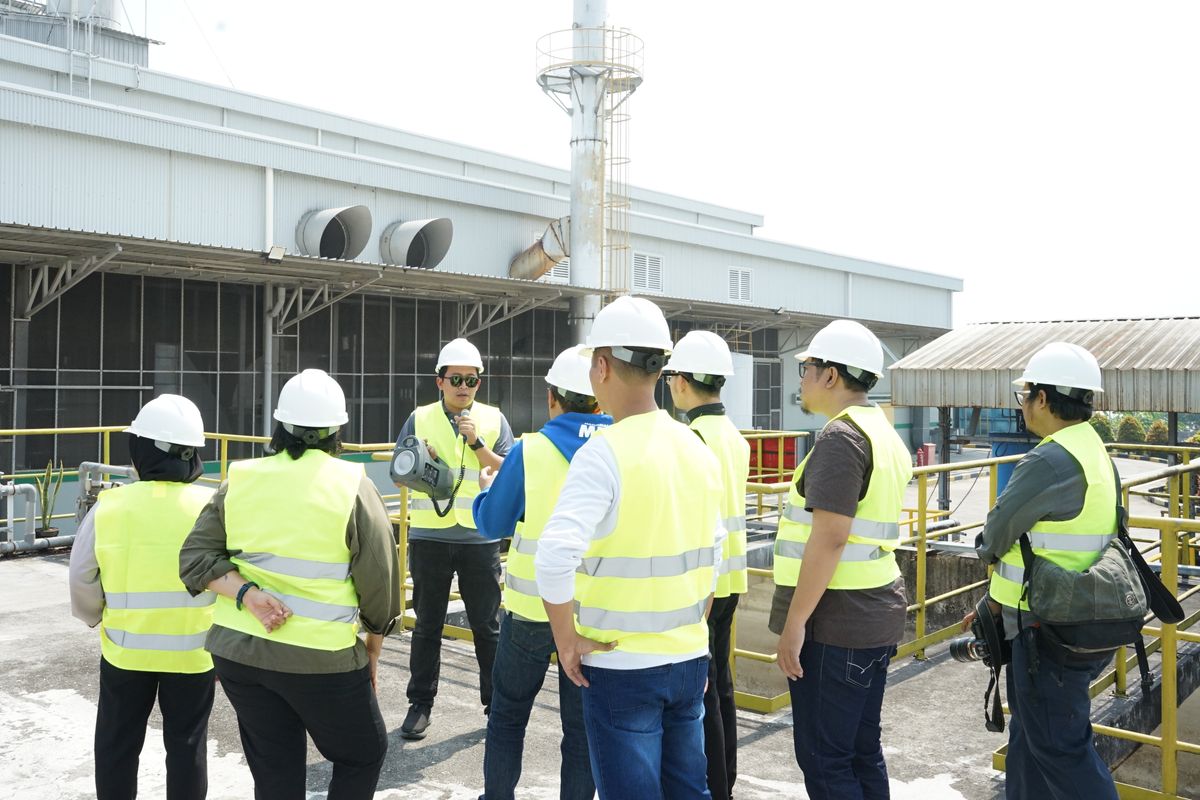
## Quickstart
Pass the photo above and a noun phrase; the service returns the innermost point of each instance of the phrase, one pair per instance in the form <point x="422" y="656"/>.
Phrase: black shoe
<point x="487" y="710"/>
<point x="416" y="722"/>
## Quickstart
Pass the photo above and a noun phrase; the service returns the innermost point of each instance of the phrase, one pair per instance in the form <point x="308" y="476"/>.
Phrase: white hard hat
<point x="169" y="418"/>
<point x="312" y="399"/>
<point x="846" y="342"/>
<point x="701" y="353"/>
<point x="1064" y="366"/>
<point x="570" y="371"/>
<point x="460" y="353"/>
<point x="630" y="322"/>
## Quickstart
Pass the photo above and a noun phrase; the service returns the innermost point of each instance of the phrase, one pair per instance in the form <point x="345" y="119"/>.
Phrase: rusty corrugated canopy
<point x="1148" y="364"/>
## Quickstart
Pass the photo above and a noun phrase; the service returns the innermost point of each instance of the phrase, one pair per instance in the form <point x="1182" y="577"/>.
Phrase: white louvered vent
<point x="740" y="285"/>
<point x="647" y="272"/>
<point x="560" y="272"/>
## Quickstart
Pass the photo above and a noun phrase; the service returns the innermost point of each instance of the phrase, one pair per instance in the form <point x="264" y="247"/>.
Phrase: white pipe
<point x="268" y="209"/>
<point x="86" y="470"/>
<point x="587" y="165"/>
<point x="270" y="311"/>
<point x="31" y="504"/>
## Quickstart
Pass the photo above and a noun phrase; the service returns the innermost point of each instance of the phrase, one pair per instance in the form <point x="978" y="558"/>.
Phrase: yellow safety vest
<point x="646" y="585"/>
<point x="286" y="522"/>
<point x="151" y="623"/>
<point x="430" y="424"/>
<point x="1074" y="543"/>
<point x="545" y="472"/>
<point x="868" y="560"/>
<point x="733" y="452"/>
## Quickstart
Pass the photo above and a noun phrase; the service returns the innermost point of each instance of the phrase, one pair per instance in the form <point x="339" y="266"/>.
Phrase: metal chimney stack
<point x="588" y="77"/>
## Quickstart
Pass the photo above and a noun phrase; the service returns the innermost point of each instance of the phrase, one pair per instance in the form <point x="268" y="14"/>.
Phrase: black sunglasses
<point x="458" y="380"/>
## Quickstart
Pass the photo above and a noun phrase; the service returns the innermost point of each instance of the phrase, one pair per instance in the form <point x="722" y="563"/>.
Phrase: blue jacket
<point x="498" y="508"/>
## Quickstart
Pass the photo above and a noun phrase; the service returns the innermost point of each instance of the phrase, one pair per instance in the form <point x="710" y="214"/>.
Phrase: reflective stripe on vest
<point x="640" y="621"/>
<point x="733" y="454"/>
<point x="144" y="600"/>
<point x="868" y="561"/>
<point x="854" y="551"/>
<point x="288" y="519"/>
<point x="522" y="585"/>
<point x="150" y="622"/>
<point x="648" y="592"/>
<point x="652" y="567"/>
<point x="735" y="524"/>
<point x="732" y="564"/>
<point x="1073" y="544"/>
<point x="165" y="642"/>
<point x="297" y="567"/>
<point x="545" y="471"/>
<point x="868" y="529"/>
<point x="522" y="544"/>
<point x="431" y="424"/>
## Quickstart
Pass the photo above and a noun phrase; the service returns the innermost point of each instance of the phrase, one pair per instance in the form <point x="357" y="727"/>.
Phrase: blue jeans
<point x="521" y="660"/>
<point x="835" y="721"/>
<point x="645" y="730"/>
<point x="1050" y="750"/>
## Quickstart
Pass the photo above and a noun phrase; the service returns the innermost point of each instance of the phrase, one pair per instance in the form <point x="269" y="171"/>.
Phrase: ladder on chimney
<point x="79" y="59"/>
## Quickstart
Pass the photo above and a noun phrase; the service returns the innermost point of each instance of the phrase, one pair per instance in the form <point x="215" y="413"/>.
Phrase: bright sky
<point x="1046" y="153"/>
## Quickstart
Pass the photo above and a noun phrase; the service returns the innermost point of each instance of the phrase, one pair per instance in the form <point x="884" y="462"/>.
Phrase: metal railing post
<point x="922" y="511"/>
<point x="1170" y="715"/>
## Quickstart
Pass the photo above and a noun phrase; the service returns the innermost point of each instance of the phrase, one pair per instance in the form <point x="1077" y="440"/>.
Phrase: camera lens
<point x="967" y="649"/>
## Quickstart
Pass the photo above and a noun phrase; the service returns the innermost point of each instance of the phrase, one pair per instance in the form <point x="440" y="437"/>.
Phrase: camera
<point x="986" y="642"/>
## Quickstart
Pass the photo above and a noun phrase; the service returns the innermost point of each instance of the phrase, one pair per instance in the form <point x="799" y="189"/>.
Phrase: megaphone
<point x="412" y="467"/>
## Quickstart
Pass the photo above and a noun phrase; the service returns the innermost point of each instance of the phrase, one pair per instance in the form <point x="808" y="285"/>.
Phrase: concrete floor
<point x="934" y="738"/>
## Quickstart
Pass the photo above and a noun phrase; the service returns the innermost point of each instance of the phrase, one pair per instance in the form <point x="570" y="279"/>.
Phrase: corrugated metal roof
<point x="1148" y="364"/>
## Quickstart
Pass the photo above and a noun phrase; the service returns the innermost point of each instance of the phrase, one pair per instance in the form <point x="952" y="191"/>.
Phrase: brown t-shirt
<point x="835" y="479"/>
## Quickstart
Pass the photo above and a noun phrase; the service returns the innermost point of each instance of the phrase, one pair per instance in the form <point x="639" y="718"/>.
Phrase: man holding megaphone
<point x="443" y="541"/>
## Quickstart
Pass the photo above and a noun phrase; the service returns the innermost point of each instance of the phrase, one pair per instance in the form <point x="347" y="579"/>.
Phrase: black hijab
<point x="153" y="464"/>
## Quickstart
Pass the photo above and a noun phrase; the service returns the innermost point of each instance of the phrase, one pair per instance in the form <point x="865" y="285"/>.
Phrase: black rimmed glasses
<point x="1022" y="395"/>
<point x="804" y="366"/>
<point x="458" y="380"/>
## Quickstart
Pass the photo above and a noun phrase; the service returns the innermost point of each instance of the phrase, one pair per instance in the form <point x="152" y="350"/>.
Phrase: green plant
<point x="1157" y="434"/>
<point x="1103" y="428"/>
<point x="1131" y="430"/>
<point x="47" y="487"/>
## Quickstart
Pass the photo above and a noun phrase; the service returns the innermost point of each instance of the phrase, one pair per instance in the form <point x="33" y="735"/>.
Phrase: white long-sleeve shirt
<point x="586" y="511"/>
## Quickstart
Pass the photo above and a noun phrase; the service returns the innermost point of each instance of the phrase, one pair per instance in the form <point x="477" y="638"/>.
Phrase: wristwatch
<point x="478" y="444"/>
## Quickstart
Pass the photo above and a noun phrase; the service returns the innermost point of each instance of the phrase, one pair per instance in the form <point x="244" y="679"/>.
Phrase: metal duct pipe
<point x="421" y="243"/>
<point x="335" y="232"/>
<point x="29" y="491"/>
<point x="540" y="257"/>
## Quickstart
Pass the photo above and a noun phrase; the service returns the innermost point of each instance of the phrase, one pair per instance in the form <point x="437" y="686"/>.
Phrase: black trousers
<point x="275" y="710"/>
<point x="126" y="700"/>
<point x="720" y="713"/>
<point x="433" y="566"/>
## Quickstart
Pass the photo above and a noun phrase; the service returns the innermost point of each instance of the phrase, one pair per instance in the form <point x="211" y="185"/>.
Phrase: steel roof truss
<point x="484" y="315"/>
<point x="48" y="282"/>
<point x="319" y="298"/>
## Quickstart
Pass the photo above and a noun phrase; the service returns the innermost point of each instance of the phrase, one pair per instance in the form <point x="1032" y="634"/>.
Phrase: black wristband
<point x="242" y="592"/>
<point x="478" y="444"/>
